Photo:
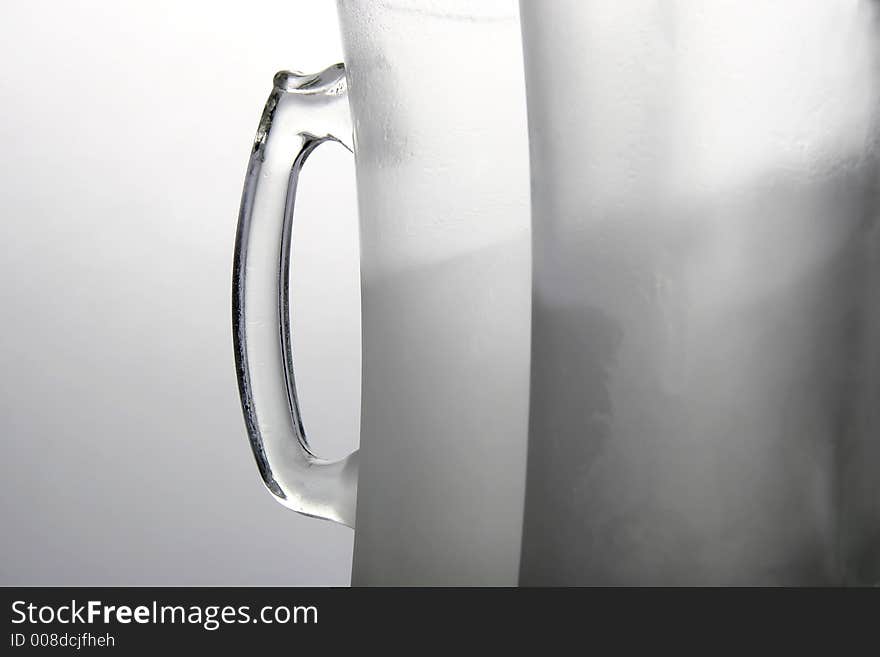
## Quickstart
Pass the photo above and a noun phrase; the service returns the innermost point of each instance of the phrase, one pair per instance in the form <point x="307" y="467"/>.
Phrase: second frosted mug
<point x="706" y="337"/>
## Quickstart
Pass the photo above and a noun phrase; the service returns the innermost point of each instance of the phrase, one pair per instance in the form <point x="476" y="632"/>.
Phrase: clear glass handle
<point x="302" y="112"/>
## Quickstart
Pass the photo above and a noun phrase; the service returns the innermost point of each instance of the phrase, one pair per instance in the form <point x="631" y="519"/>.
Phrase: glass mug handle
<point x="302" y="112"/>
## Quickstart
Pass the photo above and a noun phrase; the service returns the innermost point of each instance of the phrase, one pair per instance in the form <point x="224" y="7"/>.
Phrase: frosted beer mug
<point x="436" y="93"/>
<point x="705" y="373"/>
<point x="674" y="376"/>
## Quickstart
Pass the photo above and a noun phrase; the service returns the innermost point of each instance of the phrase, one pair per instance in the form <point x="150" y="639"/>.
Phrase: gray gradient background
<point x="125" y="132"/>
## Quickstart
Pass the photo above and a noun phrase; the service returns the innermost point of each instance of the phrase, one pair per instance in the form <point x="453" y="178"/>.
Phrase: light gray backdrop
<point x="125" y="130"/>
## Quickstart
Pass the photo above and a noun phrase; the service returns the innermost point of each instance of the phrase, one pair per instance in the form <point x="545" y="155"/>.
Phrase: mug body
<point x="705" y="384"/>
<point x="438" y="103"/>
